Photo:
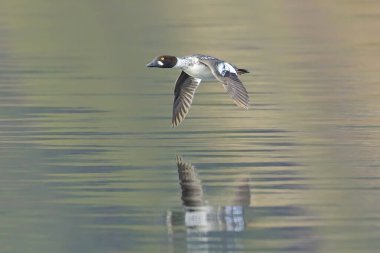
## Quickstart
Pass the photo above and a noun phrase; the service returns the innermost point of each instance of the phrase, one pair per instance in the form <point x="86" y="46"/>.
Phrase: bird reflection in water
<point x="207" y="227"/>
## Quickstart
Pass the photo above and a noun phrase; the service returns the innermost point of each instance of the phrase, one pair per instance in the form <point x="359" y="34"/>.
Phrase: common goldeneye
<point x="196" y="68"/>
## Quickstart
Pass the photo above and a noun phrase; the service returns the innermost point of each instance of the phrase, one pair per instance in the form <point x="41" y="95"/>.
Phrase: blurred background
<point x="89" y="162"/>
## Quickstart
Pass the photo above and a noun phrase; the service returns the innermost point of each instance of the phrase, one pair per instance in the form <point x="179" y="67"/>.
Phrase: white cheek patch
<point x="160" y="63"/>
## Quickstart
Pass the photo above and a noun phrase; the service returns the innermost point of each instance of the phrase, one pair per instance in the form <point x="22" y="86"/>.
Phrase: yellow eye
<point x="162" y="58"/>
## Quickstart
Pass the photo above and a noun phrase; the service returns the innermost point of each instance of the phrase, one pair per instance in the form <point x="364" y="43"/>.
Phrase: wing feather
<point x="227" y="74"/>
<point x="183" y="97"/>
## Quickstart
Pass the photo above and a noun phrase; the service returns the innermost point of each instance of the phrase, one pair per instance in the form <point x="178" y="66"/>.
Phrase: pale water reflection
<point x="202" y="219"/>
<point x="212" y="228"/>
<point x="87" y="155"/>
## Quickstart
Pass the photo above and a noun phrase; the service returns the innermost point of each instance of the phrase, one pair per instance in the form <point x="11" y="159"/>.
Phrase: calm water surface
<point x="89" y="162"/>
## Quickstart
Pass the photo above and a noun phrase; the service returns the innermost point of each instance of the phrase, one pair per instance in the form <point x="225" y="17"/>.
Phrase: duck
<point x="196" y="68"/>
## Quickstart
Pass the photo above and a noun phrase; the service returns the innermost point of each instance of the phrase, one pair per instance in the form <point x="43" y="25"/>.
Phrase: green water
<point x="89" y="160"/>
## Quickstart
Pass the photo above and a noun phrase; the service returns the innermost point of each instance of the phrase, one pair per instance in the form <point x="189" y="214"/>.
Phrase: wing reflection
<point x="204" y="222"/>
<point x="192" y="192"/>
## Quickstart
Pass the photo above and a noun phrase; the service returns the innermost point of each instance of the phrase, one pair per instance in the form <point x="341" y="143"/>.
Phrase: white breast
<point x="199" y="71"/>
<point x="194" y="68"/>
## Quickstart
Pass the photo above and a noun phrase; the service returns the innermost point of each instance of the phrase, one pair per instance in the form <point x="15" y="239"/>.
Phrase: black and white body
<point x="196" y="68"/>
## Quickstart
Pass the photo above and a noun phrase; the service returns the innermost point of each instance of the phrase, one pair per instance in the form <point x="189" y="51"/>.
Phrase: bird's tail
<point x="242" y="71"/>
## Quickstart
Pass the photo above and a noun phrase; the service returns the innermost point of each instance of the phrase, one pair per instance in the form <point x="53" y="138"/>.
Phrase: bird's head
<point x="163" y="61"/>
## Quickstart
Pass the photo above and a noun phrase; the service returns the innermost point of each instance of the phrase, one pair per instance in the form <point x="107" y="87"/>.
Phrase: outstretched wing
<point x="226" y="74"/>
<point x="185" y="88"/>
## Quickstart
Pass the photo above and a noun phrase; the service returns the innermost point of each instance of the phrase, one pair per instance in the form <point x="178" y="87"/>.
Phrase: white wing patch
<point x="225" y="67"/>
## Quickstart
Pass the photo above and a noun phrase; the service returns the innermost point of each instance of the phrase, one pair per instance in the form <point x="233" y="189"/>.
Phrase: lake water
<point x="89" y="162"/>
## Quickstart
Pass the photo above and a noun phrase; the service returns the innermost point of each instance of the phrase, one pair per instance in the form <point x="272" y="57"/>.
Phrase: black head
<point x="163" y="61"/>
